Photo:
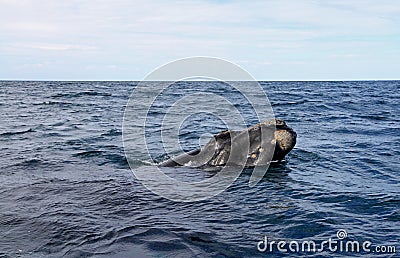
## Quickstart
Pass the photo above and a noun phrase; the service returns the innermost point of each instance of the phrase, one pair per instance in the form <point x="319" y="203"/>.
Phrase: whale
<point x="257" y="145"/>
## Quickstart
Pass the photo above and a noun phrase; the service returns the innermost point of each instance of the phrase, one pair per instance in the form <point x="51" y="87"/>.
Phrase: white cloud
<point x="52" y="47"/>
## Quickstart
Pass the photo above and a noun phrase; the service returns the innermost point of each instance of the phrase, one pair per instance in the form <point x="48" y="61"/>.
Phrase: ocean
<point x="67" y="189"/>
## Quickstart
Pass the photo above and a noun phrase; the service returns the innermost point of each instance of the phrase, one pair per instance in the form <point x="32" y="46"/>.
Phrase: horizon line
<point x="124" y="80"/>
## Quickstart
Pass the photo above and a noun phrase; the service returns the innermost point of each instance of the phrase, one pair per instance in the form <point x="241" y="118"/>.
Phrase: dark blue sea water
<point x="67" y="190"/>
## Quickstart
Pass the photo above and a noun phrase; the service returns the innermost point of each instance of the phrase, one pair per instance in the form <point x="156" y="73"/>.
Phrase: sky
<point x="127" y="39"/>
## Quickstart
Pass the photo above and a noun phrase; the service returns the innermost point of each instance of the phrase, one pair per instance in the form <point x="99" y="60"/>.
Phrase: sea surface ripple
<point x="67" y="190"/>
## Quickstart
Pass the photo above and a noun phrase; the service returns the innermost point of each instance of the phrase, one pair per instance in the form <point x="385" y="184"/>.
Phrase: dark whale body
<point x="256" y="145"/>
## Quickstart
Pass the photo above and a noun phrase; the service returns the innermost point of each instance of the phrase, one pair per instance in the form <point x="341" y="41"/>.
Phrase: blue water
<point x="67" y="190"/>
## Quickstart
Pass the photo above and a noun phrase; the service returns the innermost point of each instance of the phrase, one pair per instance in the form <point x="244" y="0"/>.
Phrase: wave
<point x="59" y="103"/>
<point x="17" y="132"/>
<point x="89" y="153"/>
<point x="80" y="94"/>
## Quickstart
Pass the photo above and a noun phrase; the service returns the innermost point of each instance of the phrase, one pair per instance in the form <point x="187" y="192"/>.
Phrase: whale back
<point x="256" y="145"/>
